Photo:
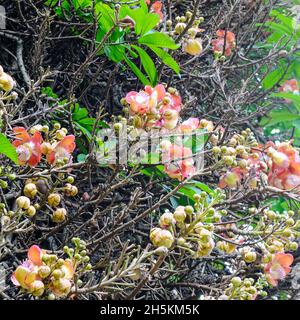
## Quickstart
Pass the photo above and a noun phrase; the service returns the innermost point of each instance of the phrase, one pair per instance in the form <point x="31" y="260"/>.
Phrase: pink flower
<point x="62" y="149"/>
<point x="178" y="160"/>
<point x="231" y="179"/>
<point x="284" y="166"/>
<point x="189" y="125"/>
<point x="290" y="86"/>
<point x="154" y="107"/>
<point x="145" y="101"/>
<point x="219" y="43"/>
<point x="27" y="273"/>
<point x="278" y="268"/>
<point x="27" y="147"/>
<point x="156" y="8"/>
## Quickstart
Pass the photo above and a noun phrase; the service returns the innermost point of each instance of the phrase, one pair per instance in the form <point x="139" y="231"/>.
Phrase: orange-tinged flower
<point x="145" y="101"/>
<point x="62" y="149"/>
<point x="154" y="107"/>
<point x="35" y="254"/>
<point x="290" y="86"/>
<point x="27" y="272"/>
<point x="189" y="125"/>
<point x="28" y="147"/>
<point x="156" y="8"/>
<point x="219" y="43"/>
<point x="179" y="163"/>
<point x="285" y="166"/>
<point x="69" y="269"/>
<point x="278" y="268"/>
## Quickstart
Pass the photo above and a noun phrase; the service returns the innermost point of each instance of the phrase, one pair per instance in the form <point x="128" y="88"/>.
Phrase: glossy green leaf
<point x="147" y="64"/>
<point x="158" y="39"/>
<point x="8" y="149"/>
<point x="166" y="58"/>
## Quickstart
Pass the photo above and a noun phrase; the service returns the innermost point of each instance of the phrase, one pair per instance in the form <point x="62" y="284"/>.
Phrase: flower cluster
<point x="284" y="166"/>
<point x="191" y="43"/>
<point x="224" y="43"/>
<point x="243" y="160"/>
<point x="40" y="188"/>
<point x="157" y="111"/>
<point x="277" y="164"/>
<point x="7" y="83"/>
<point x="243" y="289"/>
<point x="45" y="274"/>
<point x="189" y="228"/>
<point x="57" y="147"/>
<point x="154" y="107"/>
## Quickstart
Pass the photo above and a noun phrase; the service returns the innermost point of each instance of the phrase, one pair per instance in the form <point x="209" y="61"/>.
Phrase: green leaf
<point x="166" y="58"/>
<point x="147" y="64"/>
<point x="278" y="116"/>
<point x="158" y="39"/>
<point x="106" y="16"/>
<point x="137" y="71"/>
<point x="151" y="20"/>
<point x="295" y="98"/>
<point x="8" y="149"/>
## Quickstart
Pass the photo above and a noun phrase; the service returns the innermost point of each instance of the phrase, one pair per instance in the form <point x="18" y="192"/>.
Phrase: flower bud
<point x="37" y="288"/>
<point x="6" y="82"/>
<point x="250" y="256"/>
<point x="179" y="214"/>
<point x="71" y="190"/>
<point x="179" y="27"/>
<point x="236" y="281"/>
<point x="23" y="202"/>
<point x="31" y="211"/>
<point x="44" y="271"/>
<point x="193" y="47"/>
<point x="59" y="215"/>
<point x="161" y="238"/>
<point x="166" y="220"/>
<point x="293" y="246"/>
<point x="60" y="134"/>
<point x="54" y="199"/>
<point x="62" y="286"/>
<point x="189" y="209"/>
<point x="46" y="148"/>
<point x="30" y="190"/>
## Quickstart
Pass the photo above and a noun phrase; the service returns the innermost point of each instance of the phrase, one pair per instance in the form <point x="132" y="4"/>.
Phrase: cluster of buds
<point x="191" y="43"/>
<point x="223" y="44"/>
<point x="189" y="228"/>
<point x="47" y="275"/>
<point x="38" y="190"/>
<point x="243" y="289"/>
<point x="6" y="175"/>
<point x="57" y="145"/>
<point x="243" y="160"/>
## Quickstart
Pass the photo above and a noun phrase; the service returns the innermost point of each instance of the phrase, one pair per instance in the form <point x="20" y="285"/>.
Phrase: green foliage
<point x="129" y="42"/>
<point x="282" y="28"/>
<point x="8" y="149"/>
